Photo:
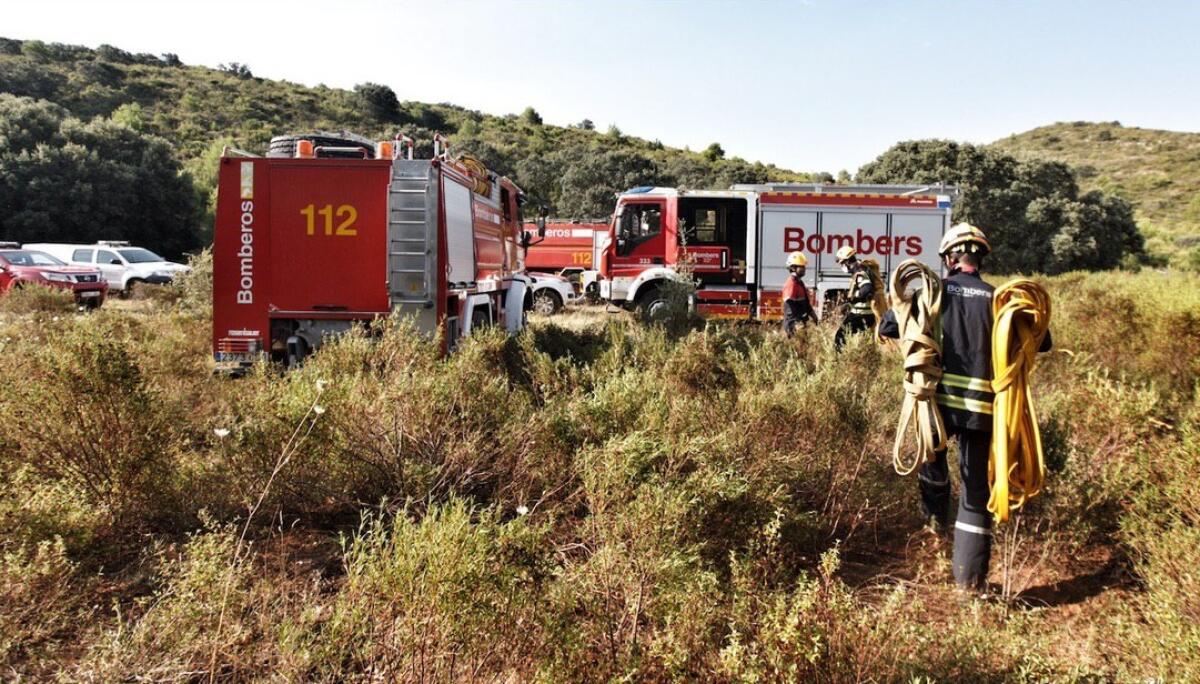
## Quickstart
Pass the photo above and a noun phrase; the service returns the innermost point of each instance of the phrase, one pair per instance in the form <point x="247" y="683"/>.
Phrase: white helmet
<point x="964" y="237"/>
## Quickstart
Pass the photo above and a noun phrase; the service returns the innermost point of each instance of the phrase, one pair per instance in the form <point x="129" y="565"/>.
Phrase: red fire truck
<point x="735" y="242"/>
<point x="567" y="245"/>
<point x="311" y="244"/>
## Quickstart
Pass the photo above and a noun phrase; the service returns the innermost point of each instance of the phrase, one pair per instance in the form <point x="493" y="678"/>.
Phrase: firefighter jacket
<point x="796" y="305"/>
<point x="965" y="393"/>
<point x="862" y="292"/>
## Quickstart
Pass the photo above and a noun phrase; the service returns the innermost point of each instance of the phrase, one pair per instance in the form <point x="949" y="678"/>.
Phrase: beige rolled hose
<point x="916" y="317"/>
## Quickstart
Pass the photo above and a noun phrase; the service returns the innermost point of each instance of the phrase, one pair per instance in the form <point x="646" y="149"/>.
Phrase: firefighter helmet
<point x="845" y="254"/>
<point x="964" y="237"/>
<point x="797" y="259"/>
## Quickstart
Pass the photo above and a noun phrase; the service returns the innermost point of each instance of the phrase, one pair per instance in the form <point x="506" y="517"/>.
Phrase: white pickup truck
<point x="122" y="264"/>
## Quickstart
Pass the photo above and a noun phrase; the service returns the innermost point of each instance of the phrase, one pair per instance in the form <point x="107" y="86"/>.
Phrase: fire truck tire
<point x="651" y="302"/>
<point x="480" y="319"/>
<point x="285" y="145"/>
<point x="547" y="302"/>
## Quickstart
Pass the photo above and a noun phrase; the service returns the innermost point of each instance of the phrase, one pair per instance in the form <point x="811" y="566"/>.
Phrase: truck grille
<point x="86" y="278"/>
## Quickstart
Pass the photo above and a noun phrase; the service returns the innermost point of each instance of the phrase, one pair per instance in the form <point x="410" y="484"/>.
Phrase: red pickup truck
<point x="21" y="266"/>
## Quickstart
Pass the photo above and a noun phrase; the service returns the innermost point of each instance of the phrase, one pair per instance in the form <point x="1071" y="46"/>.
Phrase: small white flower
<point x="522" y="510"/>
<point x="318" y="409"/>
<point x="221" y="432"/>
<point x="321" y="385"/>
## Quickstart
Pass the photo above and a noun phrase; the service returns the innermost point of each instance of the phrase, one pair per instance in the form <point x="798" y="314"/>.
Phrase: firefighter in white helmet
<point x="964" y="397"/>
<point x="859" y="316"/>
<point x="797" y="308"/>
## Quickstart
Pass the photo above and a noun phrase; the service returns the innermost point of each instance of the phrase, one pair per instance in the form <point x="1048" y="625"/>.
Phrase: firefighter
<point x="964" y="397"/>
<point x="796" y="305"/>
<point x="859" y="316"/>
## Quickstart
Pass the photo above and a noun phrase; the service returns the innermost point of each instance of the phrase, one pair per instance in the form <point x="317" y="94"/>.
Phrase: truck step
<point x="425" y="253"/>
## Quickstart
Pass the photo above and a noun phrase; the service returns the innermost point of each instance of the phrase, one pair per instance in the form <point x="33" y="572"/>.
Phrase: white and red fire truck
<point x="311" y="244"/>
<point x="735" y="242"/>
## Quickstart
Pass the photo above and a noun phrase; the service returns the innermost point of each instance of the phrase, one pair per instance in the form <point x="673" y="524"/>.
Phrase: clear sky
<point x="810" y="85"/>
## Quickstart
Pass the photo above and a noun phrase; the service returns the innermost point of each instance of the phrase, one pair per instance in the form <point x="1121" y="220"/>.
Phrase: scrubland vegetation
<point x="595" y="500"/>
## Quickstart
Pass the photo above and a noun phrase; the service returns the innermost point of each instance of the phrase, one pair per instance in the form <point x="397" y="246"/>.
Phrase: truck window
<point x="640" y="221"/>
<point x="82" y="256"/>
<point x="106" y="257"/>
<point x="708" y="226"/>
<point x="505" y="198"/>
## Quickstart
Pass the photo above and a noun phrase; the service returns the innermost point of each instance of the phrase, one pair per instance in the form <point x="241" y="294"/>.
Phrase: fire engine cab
<point x="312" y="242"/>
<point x="735" y="243"/>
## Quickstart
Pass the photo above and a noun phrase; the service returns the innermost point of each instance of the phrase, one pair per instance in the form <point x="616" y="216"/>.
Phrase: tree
<point x="63" y="180"/>
<point x="171" y="59"/>
<point x="843" y="177"/>
<point x="713" y="152"/>
<point x="586" y="125"/>
<point x="237" y="69"/>
<point x="25" y="77"/>
<point x="530" y="116"/>
<point x="380" y="101"/>
<point x="1031" y="211"/>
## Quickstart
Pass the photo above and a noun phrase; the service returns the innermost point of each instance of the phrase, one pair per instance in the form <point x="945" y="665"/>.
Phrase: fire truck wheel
<point x="480" y="319"/>
<point x="546" y="302"/>
<point x="285" y="145"/>
<point x="652" y="303"/>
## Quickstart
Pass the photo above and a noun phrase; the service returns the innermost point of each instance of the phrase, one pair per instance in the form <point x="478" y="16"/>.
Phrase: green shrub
<point x="34" y="298"/>
<point x="81" y="412"/>
<point x="450" y="596"/>
<point x="41" y="603"/>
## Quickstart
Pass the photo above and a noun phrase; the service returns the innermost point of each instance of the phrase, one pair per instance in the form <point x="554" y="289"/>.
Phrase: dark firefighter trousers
<point x="973" y="528"/>
<point x="853" y="324"/>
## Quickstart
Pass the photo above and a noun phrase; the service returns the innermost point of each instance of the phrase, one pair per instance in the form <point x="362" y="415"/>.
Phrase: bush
<point x="451" y="596"/>
<point x="40" y="604"/>
<point x="35" y="298"/>
<point x="81" y="412"/>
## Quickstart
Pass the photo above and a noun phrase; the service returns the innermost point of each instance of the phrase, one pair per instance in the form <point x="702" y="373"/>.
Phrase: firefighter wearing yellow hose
<point x="964" y="397"/>
<point x="859" y="315"/>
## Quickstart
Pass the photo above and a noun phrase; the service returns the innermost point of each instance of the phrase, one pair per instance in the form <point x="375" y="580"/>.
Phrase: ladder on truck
<point x="412" y="236"/>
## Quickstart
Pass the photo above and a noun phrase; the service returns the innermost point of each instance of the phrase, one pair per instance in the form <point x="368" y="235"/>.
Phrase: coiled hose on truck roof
<point x="916" y="317"/>
<point x="1017" y="469"/>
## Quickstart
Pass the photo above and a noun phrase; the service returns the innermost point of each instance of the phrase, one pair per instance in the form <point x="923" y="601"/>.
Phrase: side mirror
<point x="525" y="239"/>
<point x="115" y="262"/>
<point x="541" y="226"/>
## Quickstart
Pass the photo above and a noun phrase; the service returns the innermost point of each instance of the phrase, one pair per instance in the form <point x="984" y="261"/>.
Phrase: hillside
<point x="1158" y="171"/>
<point x="573" y="170"/>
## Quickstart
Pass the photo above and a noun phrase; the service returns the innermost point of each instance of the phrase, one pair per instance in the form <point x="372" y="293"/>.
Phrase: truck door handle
<point x="724" y="260"/>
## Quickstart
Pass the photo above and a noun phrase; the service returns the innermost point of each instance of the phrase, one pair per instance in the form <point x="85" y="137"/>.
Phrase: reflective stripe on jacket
<point x="862" y="291"/>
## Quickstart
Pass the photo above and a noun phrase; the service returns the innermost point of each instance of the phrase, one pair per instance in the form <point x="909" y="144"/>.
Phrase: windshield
<point x="25" y="257"/>
<point x="137" y="255"/>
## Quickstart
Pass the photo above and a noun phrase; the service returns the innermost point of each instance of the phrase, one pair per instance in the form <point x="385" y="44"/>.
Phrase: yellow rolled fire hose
<point x="1017" y="469"/>
<point x="917" y="318"/>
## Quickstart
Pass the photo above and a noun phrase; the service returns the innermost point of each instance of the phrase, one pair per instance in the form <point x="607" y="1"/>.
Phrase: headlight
<point x="57" y="277"/>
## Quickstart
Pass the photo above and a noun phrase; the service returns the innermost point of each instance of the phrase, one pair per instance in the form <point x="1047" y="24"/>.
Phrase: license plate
<point x="89" y="294"/>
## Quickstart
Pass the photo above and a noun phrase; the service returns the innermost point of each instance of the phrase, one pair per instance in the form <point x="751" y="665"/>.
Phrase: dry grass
<point x="596" y="499"/>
